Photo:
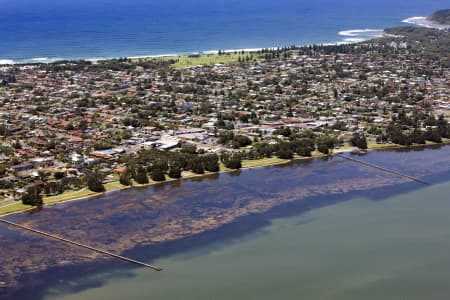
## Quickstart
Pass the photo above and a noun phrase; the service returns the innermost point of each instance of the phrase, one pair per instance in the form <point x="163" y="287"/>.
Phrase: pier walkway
<point x="55" y="237"/>
<point x="383" y="169"/>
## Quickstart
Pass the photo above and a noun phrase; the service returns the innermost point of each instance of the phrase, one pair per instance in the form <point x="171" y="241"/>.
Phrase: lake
<point x="322" y="229"/>
<point x="359" y="249"/>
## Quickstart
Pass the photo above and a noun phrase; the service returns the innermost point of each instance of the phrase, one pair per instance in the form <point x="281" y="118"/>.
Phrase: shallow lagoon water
<point x="320" y="227"/>
<point x="397" y="248"/>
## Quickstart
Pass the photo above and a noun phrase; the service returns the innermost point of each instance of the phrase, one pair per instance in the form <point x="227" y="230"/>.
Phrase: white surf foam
<point x="246" y="50"/>
<point x="7" y="62"/>
<point x="359" y="35"/>
<point x="45" y="60"/>
<point x="354" y="40"/>
<point x="362" y="32"/>
<point x="424" y="22"/>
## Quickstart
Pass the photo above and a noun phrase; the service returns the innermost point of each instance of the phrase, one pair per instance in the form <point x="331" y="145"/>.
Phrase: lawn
<point x="69" y="195"/>
<point x="263" y="162"/>
<point x="13" y="207"/>
<point x="113" y="186"/>
<point x="382" y="146"/>
<point x="208" y="59"/>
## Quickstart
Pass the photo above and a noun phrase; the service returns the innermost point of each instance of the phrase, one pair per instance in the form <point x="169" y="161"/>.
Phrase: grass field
<point x="263" y="162"/>
<point x="206" y="59"/>
<point x="113" y="186"/>
<point x="382" y="146"/>
<point x="69" y="195"/>
<point x="13" y="207"/>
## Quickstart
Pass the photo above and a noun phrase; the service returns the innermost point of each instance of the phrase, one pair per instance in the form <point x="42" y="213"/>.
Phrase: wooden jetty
<point x="58" y="238"/>
<point x="383" y="169"/>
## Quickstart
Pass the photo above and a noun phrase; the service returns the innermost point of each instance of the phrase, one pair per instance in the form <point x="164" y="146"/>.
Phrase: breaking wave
<point x="424" y="22"/>
<point x="360" y="35"/>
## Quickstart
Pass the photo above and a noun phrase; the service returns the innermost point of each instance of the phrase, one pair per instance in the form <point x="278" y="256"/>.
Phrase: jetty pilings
<point x="61" y="239"/>
<point x="384" y="169"/>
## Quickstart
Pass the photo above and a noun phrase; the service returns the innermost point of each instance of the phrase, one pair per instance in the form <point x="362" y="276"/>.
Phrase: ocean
<point x="48" y="30"/>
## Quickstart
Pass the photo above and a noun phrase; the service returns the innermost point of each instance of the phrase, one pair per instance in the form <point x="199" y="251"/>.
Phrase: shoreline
<point x="425" y="22"/>
<point x="274" y="161"/>
<point x="149" y="250"/>
<point x="298" y="194"/>
<point x="347" y="36"/>
<point x="350" y="36"/>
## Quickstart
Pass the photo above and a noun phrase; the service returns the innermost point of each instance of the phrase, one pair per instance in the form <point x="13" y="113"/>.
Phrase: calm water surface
<point x="322" y="229"/>
<point x="397" y="248"/>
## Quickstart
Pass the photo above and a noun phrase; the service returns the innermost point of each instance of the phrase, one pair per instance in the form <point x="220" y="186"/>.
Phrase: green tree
<point x="433" y="135"/>
<point x="174" y="171"/>
<point x="325" y="143"/>
<point x="83" y="125"/>
<point x="284" y="131"/>
<point x="140" y="175"/>
<point x="443" y="128"/>
<point x="241" y="141"/>
<point x="232" y="161"/>
<point x="284" y="151"/>
<point x="125" y="178"/>
<point x="158" y="174"/>
<point x="303" y="146"/>
<point x="196" y="165"/>
<point x="211" y="162"/>
<point x="359" y="141"/>
<point x="32" y="196"/>
<point x="3" y="130"/>
<point x="94" y="182"/>
<point x="418" y="137"/>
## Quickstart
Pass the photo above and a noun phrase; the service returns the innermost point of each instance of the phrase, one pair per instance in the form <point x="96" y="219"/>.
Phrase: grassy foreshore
<point x="116" y="186"/>
<point x="85" y="193"/>
<point x="207" y="59"/>
<point x="183" y="61"/>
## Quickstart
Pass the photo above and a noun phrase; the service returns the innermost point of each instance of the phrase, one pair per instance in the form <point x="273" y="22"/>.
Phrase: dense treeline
<point x="119" y="64"/>
<point x="156" y="164"/>
<point x="441" y="16"/>
<point x="405" y="130"/>
<point x="427" y="41"/>
<point x="32" y="196"/>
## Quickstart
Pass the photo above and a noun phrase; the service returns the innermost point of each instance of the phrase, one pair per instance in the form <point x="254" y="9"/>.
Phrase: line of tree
<point x="302" y="144"/>
<point x="360" y="141"/>
<point x="156" y="164"/>
<point x="32" y="196"/>
<point x="94" y="182"/>
<point x="435" y="131"/>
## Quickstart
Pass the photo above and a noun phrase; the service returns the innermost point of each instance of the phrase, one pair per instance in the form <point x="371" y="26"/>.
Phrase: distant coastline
<point x="425" y="22"/>
<point x="349" y="36"/>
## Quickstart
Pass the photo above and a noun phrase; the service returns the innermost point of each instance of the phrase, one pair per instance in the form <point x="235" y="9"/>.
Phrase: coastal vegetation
<point x="212" y="59"/>
<point x="430" y="43"/>
<point x="441" y="17"/>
